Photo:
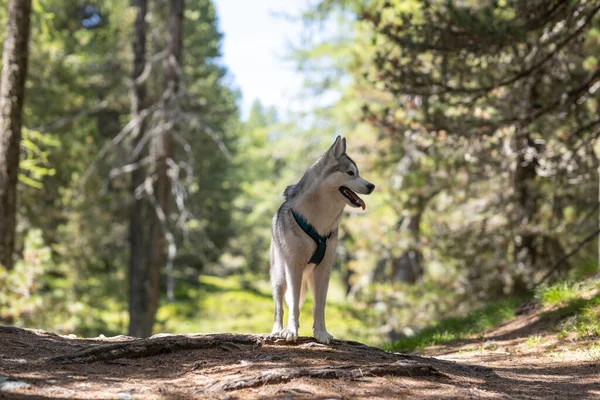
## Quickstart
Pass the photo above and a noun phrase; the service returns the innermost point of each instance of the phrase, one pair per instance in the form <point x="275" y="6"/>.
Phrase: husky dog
<point x="305" y="233"/>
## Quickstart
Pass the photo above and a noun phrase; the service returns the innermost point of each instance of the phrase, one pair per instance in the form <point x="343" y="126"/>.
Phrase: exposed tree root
<point x="399" y="368"/>
<point x="356" y="365"/>
<point x="162" y="344"/>
<point x="153" y="346"/>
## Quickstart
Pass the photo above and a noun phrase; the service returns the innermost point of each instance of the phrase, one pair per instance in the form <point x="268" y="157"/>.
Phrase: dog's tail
<point x="303" y="290"/>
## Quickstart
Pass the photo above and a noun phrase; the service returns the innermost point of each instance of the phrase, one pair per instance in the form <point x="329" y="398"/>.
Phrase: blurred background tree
<point x="12" y="95"/>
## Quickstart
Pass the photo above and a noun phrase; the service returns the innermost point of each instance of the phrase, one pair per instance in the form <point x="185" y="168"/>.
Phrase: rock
<point x="11" y="386"/>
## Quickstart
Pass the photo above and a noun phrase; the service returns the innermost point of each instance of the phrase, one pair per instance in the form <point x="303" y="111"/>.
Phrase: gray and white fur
<point x="319" y="199"/>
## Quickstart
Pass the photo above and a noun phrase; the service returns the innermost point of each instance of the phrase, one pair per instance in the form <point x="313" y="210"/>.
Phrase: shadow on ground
<point x="259" y="366"/>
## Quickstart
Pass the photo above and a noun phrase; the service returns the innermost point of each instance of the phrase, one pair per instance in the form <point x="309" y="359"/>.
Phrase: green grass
<point x="455" y="328"/>
<point x="593" y="351"/>
<point x="580" y="316"/>
<point x="559" y="293"/>
<point x="533" y="341"/>
<point x="578" y="308"/>
<point x="568" y="308"/>
<point x="243" y="304"/>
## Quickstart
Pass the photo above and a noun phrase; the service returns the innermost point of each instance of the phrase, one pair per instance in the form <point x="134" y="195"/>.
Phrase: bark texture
<point x="140" y="322"/>
<point x="347" y="372"/>
<point x="136" y="348"/>
<point x="12" y="95"/>
<point x="526" y="196"/>
<point x="162" y="149"/>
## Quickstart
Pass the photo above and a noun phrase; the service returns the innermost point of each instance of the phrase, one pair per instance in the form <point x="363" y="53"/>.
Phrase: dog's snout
<point x="371" y="187"/>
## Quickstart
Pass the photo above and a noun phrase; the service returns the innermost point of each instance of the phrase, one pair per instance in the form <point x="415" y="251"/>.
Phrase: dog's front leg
<point x="320" y="285"/>
<point x="294" y="285"/>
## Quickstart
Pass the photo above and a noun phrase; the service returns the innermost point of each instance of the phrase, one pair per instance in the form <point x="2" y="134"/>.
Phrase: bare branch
<point x="195" y="121"/>
<point x="148" y="67"/>
<point x="567" y="256"/>
<point x="127" y="129"/>
<point x="125" y="169"/>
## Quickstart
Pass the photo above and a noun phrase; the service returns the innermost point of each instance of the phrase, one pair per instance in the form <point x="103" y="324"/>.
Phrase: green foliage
<point x="583" y="270"/>
<point x="34" y="164"/>
<point x="574" y="307"/>
<point x="78" y="100"/>
<point x="584" y="320"/>
<point x="243" y="304"/>
<point x="458" y="103"/>
<point x="210" y="128"/>
<point x="29" y="289"/>
<point x="566" y="306"/>
<point x="455" y="328"/>
<point x="557" y="294"/>
<point x="474" y="119"/>
<point x="258" y="167"/>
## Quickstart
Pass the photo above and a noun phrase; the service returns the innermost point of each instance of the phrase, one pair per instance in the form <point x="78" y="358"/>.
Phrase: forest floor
<point x="522" y="358"/>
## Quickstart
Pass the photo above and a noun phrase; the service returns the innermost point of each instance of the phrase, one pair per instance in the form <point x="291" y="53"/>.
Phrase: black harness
<point x="321" y="241"/>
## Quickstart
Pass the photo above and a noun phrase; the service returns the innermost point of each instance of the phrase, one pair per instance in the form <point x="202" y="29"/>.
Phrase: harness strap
<point x="321" y="241"/>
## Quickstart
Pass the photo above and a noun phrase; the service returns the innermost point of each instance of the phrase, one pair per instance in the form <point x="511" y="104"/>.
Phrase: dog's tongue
<point x="353" y="197"/>
<point x="361" y="202"/>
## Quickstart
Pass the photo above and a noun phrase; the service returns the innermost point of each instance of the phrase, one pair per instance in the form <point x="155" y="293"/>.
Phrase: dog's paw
<point x="290" y="335"/>
<point x="322" y="336"/>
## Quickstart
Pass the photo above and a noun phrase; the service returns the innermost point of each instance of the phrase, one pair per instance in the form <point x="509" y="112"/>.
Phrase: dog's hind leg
<point x="278" y="293"/>
<point x="319" y="285"/>
<point x="279" y="286"/>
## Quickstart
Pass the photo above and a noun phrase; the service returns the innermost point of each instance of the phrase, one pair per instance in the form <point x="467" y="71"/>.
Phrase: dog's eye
<point x="351" y="173"/>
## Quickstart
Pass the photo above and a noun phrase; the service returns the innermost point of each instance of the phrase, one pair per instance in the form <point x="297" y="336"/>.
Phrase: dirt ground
<point x="507" y="363"/>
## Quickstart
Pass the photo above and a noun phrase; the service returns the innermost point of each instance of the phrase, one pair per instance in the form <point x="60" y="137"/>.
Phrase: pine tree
<point x="12" y="95"/>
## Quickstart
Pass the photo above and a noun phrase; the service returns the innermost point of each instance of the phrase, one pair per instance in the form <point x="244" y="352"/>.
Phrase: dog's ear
<point x="338" y="148"/>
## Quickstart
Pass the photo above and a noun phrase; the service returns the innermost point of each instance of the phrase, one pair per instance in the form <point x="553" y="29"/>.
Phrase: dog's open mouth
<point x="354" y="199"/>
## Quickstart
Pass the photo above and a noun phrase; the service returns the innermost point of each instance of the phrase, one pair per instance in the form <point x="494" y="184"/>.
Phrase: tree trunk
<point x="12" y="94"/>
<point x="597" y="152"/>
<point x="140" y="321"/>
<point x="163" y="151"/>
<point x="525" y="253"/>
<point x="409" y="266"/>
<point x="526" y="196"/>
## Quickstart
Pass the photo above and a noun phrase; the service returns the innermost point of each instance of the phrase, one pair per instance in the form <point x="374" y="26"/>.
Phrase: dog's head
<point x="342" y="174"/>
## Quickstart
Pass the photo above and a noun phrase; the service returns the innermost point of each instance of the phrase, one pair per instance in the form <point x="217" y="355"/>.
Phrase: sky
<point x="254" y="47"/>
